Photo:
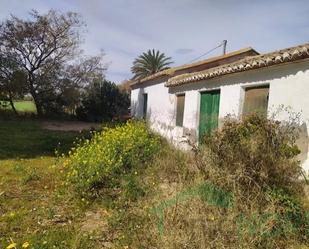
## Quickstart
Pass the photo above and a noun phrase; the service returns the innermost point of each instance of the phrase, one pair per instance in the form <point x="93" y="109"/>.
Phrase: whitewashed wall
<point x="289" y="86"/>
<point x="161" y="110"/>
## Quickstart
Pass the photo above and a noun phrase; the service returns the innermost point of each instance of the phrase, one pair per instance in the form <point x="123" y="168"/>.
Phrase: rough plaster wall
<point x="161" y="113"/>
<point x="136" y="103"/>
<point x="190" y="121"/>
<point x="230" y="96"/>
<point x="293" y="91"/>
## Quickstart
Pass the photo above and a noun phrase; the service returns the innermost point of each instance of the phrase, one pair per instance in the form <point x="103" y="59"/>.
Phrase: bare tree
<point x="77" y="77"/>
<point x="12" y="80"/>
<point x="41" y="45"/>
<point x="86" y="70"/>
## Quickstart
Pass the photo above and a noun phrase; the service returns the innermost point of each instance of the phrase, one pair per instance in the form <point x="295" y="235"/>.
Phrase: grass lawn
<point x="35" y="204"/>
<point x="21" y="106"/>
<point x="25" y="139"/>
<point x="39" y="207"/>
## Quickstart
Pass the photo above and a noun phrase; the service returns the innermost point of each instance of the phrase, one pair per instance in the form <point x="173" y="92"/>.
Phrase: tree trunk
<point x="12" y="103"/>
<point x="13" y="107"/>
<point x="39" y="109"/>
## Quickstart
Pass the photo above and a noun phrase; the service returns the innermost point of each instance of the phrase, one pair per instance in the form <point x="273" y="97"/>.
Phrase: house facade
<point x="189" y="101"/>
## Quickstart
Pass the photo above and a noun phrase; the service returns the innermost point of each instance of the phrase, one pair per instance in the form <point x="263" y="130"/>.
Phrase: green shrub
<point x="249" y="191"/>
<point x="96" y="163"/>
<point x="255" y="160"/>
<point x="132" y="188"/>
<point x="252" y="154"/>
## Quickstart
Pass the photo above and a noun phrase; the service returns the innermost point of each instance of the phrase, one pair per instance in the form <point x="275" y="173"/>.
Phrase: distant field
<point x="21" y="106"/>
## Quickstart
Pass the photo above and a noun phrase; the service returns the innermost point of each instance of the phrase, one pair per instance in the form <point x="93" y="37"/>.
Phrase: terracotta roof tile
<point x="251" y="62"/>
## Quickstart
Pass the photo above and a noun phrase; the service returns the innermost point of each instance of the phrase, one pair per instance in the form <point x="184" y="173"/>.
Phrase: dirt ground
<point x="69" y="125"/>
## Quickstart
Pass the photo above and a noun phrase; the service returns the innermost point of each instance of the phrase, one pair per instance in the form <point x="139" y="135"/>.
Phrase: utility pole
<point x="224" y="46"/>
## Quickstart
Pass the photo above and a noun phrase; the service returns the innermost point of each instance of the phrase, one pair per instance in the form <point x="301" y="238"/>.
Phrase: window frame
<point x="250" y="87"/>
<point x="177" y="123"/>
<point x="145" y="105"/>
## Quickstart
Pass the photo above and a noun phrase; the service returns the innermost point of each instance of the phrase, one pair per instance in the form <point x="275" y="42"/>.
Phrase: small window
<point x="145" y="100"/>
<point x="180" y="109"/>
<point x="256" y="100"/>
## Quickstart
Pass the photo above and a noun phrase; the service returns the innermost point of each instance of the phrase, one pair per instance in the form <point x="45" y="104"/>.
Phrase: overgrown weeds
<point x="253" y="160"/>
<point x="241" y="189"/>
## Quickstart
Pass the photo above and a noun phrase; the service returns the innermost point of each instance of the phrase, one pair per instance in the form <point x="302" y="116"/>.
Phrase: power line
<point x="209" y="51"/>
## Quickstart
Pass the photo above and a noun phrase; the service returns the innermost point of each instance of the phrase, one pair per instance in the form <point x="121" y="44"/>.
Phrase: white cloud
<point x="183" y="29"/>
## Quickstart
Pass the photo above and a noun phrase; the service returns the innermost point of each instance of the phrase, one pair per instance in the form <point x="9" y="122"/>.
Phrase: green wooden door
<point x="209" y="111"/>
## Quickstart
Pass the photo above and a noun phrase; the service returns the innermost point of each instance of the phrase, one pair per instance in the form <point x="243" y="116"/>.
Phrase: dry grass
<point x="168" y="203"/>
<point x="254" y="161"/>
<point x="177" y="213"/>
<point x="35" y="205"/>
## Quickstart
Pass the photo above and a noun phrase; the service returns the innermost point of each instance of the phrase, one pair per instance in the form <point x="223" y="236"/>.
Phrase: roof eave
<point x="171" y="71"/>
<point x="288" y="55"/>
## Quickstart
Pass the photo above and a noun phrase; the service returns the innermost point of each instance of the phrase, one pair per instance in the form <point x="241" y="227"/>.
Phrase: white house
<point x="190" y="100"/>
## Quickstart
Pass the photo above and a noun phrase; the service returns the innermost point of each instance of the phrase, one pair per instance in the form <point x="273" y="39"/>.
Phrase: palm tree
<point x="150" y="62"/>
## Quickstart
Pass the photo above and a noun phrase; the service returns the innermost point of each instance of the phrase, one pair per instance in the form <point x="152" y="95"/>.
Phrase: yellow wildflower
<point x="212" y="218"/>
<point x="11" y="246"/>
<point x="25" y="244"/>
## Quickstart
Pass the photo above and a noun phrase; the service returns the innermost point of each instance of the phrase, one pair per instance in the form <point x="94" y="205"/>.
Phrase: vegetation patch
<point x="37" y="210"/>
<point x="98" y="163"/>
<point x="253" y="160"/>
<point x="25" y="139"/>
<point x="229" y="193"/>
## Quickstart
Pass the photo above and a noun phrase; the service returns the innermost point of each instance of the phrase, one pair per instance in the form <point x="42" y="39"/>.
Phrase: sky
<point x="182" y="29"/>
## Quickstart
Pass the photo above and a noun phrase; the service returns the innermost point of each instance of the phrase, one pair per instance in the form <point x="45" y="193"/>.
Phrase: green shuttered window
<point x="180" y="99"/>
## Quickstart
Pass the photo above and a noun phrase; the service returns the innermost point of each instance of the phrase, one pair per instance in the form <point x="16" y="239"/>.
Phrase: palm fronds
<point x="150" y="62"/>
